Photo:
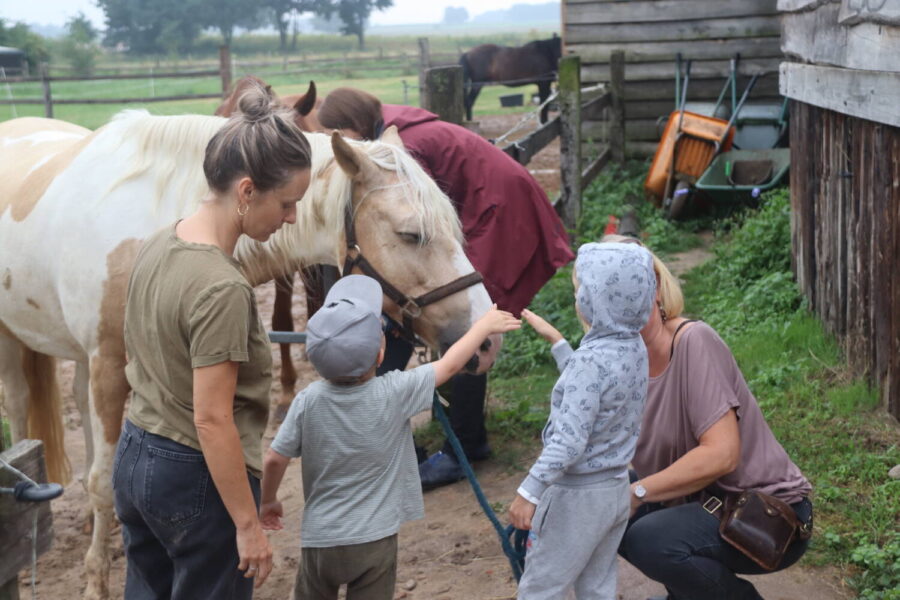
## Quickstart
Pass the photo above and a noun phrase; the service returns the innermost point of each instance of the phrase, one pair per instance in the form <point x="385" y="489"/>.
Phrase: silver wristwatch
<point x="640" y="492"/>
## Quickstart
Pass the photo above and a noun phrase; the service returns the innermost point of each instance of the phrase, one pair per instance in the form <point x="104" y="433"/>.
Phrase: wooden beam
<point x="757" y="47"/>
<point x="817" y="37"/>
<point x="523" y="150"/>
<point x="870" y="95"/>
<point x="672" y="31"/>
<point x="642" y="11"/>
<point x="444" y="93"/>
<point x="787" y="6"/>
<point x="16" y="518"/>
<point x="617" y="110"/>
<point x="700" y="69"/>
<point x="570" y="140"/>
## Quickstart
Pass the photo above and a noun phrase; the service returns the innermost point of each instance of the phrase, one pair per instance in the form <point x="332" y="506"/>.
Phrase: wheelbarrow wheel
<point x="677" y="205"/>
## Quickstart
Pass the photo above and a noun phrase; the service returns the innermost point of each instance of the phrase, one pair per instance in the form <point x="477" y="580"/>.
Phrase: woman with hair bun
<point x="187" y="468"/>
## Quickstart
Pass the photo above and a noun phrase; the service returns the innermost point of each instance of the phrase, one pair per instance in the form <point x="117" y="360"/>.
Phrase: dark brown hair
<point x="260" y="141"/>
<point x="349" y="108"/>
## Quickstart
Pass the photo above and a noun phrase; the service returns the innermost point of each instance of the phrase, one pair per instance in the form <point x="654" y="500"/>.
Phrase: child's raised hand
<point x="270" y="514"/>
<point x="542" y="327"/>
<point x="498" y="321"/>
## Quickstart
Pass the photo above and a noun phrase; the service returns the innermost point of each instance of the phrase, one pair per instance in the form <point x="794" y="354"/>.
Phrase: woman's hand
<point x="542" y="327"/>
<point x="521" y="511"/>
<point x="270" y="514"/>
<point x="255" y="553"/>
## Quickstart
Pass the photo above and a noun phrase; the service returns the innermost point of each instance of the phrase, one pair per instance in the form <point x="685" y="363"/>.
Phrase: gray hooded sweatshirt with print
<point x="598" y="401"/>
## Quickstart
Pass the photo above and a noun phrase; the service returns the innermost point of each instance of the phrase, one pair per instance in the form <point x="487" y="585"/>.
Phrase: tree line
<point x="172" y="26"/>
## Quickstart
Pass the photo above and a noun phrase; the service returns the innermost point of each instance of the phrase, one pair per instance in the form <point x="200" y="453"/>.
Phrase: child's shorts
<point x="372" y="567"/>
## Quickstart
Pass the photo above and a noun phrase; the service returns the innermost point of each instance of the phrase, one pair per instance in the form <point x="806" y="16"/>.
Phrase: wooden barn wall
<point x="845" y="196"/>
<point x="651" y="32"/>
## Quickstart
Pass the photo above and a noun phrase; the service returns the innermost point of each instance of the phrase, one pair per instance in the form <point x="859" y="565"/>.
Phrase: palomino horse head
<point x="404" y="225"/>
<point x="302" y="105"/>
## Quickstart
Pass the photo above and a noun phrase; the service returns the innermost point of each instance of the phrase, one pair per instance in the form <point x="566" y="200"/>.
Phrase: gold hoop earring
<point x="662" y="312"/>
<point x="245" y="207"/>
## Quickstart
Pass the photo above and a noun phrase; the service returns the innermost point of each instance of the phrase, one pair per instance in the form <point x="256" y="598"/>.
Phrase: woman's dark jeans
<point x="179" y="539"/>
<point x="680" y="547"/>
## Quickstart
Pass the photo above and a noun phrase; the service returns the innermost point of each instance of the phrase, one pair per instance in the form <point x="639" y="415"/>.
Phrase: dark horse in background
<point x="535" y="62"/>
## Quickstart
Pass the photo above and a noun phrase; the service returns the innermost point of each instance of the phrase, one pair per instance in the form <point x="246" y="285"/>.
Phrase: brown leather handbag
<point x="759" y="525"/>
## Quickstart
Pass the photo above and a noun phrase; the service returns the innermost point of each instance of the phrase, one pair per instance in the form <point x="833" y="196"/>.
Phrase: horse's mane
<point x="164" y="145"/>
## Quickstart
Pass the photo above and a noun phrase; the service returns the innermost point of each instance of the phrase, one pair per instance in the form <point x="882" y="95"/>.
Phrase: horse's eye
<point x="410" y="237"/>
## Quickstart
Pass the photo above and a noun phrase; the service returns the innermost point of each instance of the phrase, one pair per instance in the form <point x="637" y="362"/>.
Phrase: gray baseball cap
<point x="344" y="336"/>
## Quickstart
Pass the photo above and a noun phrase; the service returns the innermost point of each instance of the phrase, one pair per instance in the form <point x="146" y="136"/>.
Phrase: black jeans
<point x="179" y="539"/>
<point x="680" y="547"/>
<point x="466" y="397"/>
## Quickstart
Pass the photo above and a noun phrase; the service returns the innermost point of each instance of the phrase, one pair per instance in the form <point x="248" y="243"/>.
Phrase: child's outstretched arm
<point x="494" y="321"/>
<point x="270" y="509"/>
<point x="542" y="327"/>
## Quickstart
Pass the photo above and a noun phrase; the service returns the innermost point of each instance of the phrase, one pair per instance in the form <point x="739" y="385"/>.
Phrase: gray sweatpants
<point x="575" y="533"/>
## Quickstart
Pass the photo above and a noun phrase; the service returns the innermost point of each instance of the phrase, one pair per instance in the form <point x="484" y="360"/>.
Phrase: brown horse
<point x="535" y="62"/>
<point x="305" y="107"/>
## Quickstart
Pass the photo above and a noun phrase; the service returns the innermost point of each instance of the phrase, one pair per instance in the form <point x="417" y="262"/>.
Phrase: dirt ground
<point x="452" y="554"/>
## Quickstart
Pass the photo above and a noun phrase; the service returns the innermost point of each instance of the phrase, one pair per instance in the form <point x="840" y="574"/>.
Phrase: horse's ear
<point x="307" y="101"/>
<point x="350" y="161"/>
<point x="392" y="136"/>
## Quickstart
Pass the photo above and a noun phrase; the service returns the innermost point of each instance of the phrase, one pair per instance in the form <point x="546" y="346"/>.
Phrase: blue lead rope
<point x="512" y="540"/>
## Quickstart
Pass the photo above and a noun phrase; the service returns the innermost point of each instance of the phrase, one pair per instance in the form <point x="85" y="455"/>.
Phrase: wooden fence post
<point x="16" y="518"/>
<point x="617" y="106"/>
<point x="48" y="98"/>
<point x="569" y="207"/>
<point x="424" y="63"/>
<point x="225" y="68"/>
<point x="443" y="93"/>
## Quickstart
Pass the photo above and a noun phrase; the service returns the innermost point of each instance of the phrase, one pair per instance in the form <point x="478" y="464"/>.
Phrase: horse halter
<point x="411" y="307"/>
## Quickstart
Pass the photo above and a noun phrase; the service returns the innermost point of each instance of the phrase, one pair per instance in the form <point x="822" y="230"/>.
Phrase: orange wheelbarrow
<point x="688" y="146"/>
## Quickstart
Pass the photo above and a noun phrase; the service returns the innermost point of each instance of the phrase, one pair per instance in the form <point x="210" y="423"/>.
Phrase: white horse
<point x="74" y="208"/>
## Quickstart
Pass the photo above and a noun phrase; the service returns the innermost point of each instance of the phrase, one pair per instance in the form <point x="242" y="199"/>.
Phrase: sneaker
<point x="440" y="469"/>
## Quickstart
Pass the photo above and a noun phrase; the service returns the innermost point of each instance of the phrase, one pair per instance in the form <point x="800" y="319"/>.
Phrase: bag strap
<point x="677" y="329"/>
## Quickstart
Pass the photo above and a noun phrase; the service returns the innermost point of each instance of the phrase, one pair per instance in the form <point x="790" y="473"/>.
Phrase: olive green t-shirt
<point x="189" y="306"/>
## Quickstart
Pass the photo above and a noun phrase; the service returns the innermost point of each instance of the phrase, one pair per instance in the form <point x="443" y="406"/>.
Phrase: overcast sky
<point x="57" y="12"/>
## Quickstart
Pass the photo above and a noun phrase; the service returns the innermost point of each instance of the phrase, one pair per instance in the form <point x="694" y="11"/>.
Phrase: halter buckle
<point x="411" y="308"/>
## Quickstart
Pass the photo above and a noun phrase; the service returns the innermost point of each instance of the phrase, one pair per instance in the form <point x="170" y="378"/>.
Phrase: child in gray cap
<point x="360" y="476"/>
<point x="576" y="498"/>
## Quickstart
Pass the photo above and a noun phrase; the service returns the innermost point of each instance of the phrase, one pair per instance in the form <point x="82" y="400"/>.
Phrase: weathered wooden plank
<point x="705" y="29"/>
<point x="880" y="182"/>
<point x="708" y="69"/>
<point x="617" y="115"/>
<point x="699" y="89"/>
<point x="443" y="93"/>
<point x="523" y="150"/>
<point x="816" y="37"/>
<point x="570" y="140"/>
<point x="854" y="12"/>
<point x="891" y="397"/>
<point x="16" y="518"/>
<point x="642" y="11"/>
<point x="636" y="129"/>
<point x="801" y="5"/>
<point x="869" y="95"/>
<point x="756" y="47"/>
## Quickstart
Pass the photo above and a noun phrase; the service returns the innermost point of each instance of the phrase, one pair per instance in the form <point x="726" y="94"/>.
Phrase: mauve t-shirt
<point x="700" y="385"/>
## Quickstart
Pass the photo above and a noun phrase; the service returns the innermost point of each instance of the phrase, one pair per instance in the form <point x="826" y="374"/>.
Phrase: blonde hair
<point x="260" y="141"/>
<point x="671" y="299"/>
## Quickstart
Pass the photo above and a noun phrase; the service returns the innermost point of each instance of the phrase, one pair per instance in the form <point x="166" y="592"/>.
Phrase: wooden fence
<point x="846" y="236"/>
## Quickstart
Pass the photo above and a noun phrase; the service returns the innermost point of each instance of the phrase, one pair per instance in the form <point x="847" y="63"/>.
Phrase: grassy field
<point x="389" y="88"/>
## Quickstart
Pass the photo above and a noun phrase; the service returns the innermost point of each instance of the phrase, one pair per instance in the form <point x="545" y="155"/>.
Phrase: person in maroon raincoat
<point x="513" y="236"/>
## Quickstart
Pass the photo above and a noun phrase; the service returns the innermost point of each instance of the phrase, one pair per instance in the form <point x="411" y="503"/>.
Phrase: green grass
<point x="830" y="423"/>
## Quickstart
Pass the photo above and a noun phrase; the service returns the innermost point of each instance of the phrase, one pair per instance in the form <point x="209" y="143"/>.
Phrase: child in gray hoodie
<point x="575" y="499"/>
